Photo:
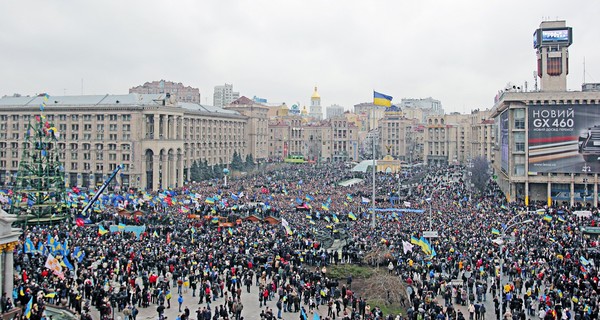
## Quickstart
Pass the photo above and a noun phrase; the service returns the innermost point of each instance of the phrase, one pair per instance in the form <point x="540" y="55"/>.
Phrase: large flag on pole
<point x="380" y="99"/>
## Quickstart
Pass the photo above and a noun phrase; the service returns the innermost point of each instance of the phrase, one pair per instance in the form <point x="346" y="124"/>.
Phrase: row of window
<point x="64" y="117"/>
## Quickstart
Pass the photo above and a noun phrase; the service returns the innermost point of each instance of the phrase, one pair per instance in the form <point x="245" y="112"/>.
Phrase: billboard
<point x="564" y="138"/>
<point x="544" y="37"/>
<point x="504" y="141"/>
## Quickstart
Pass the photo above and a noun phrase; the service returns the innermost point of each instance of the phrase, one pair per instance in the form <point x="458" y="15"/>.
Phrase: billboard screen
<point x="504" y="141"/>
<point x="559" y="35"/>
<point x="564" y="138"/>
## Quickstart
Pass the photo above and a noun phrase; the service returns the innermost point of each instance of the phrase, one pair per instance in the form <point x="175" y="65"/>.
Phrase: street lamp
<point x="509" y="225"/>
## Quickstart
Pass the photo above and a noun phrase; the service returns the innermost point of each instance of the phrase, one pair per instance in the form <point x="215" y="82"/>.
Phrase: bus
<point x="295" y="159"/>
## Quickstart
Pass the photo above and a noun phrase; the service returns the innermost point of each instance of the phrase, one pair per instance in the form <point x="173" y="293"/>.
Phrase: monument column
<point x="9" y="267"/>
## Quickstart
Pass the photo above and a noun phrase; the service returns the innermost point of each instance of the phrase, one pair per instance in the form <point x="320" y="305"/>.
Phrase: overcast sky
<point x="459" y="52"/>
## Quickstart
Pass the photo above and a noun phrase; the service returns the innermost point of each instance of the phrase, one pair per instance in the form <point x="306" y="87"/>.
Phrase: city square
<point x="374" y="161"/>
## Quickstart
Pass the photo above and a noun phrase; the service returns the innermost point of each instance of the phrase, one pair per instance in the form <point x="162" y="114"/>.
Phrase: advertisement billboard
<point x="504" y="141"/>
<point x="564" y="138"/>
<point x="549" y="37"/>
<point x="559" y="35"/>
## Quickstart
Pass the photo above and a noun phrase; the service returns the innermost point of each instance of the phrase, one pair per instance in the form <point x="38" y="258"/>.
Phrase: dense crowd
<point x="548" y="264"/>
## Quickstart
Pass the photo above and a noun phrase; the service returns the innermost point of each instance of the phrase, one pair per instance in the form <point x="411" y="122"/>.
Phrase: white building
<point x="316" y="111"/>
<point x="334" y="111"/>
<point x="224" y="95"/>
<point x="430" y="106"/>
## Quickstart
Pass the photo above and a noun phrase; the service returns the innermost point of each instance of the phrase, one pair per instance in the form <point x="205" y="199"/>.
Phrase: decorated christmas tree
<point x="39" y="193"/>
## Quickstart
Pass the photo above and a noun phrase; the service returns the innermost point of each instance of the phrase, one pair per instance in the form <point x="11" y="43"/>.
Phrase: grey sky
<point x="460" y="52"/>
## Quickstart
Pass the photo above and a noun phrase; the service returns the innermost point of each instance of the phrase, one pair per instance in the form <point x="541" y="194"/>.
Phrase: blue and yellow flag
<point x="28" y="308"/>
<point x="495" y="231"/>
<point x="209" y="200"/>
<point x="121" y="226"/>
<point x="335" y="218"/>
<point x="28" y="247"/>
<point x="215" y="220"/>
<point x="102" y="231"/>
<point x="547" y="218"/>
<point x="78" y="254"/>
<point x="380" y="99"/>
<point x="352" y="216"/>
<point x="66" y="263"/>
<point x="325" y="206"/>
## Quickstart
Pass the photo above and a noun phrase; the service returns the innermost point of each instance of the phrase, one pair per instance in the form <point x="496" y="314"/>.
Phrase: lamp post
<point x="509" y="225"/>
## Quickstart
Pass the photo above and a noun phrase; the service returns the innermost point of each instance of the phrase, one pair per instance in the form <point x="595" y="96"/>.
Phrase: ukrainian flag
<point x="209" y="200"/>
<point x="102" y="231"/>
<point x="215" y="220"/>
<point x="547" y="218"/>
<point x="335" y="218"/>
<point x="29" y="246"/>
<point x="352" y="216"/>
<point x="495" y="231"/>
<point x="28" y="308"/>
<point x="380" y="99"/>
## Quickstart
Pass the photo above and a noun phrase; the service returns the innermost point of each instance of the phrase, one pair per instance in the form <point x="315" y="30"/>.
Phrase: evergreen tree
<point x="249" y="164"/>
<point x="207" y="172"/>
<point x="195" y="172"/>
<point x="40" y="186"/>
<point x="236" y="162"/>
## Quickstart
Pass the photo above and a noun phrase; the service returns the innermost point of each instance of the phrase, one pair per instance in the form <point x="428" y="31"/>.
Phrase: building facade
<point x="547" y="141"/>
<point x="334" y="111"/>
<point x="154" y="137"/>
<point x="178" y="90"/>
<point x="224" y="95"/>
<point x="396" y="135"/>
<point x="332" y="140"/>
<point x="257" y="126"/>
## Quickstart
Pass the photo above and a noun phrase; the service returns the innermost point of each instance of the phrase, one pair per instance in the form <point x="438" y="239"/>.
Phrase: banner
<point x="564" y="138"/>
<point x="53" y="264"/>
<point x="138" y="230"/>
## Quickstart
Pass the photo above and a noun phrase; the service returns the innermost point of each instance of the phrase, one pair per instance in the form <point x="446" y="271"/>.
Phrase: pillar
<point x="180" y="169"/>
<point x="549" y="193"/>
<point x="156" y="125"/>
<point x="2" y="269"/>
<point x="526" y="193"/>
<point x="595" y="190"/>
<point x="155" y="173"/>
<point x="173" y="170"/>
<point x="8" y="267"/>
<point x="572" y="191"/>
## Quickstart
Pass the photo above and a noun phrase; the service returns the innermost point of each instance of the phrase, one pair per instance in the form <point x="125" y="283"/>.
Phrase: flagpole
<point x="374" y="169"/>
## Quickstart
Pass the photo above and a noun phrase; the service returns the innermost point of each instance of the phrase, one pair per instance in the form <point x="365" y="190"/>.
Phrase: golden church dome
<point x="315" y="95"/>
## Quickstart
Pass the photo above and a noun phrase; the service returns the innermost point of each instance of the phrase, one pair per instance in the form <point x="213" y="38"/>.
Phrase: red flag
<point x="79" y="222"/>
<point x="168" y="238"/>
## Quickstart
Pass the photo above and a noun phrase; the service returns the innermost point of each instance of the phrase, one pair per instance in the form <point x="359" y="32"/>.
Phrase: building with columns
<point x="153" y="136"/>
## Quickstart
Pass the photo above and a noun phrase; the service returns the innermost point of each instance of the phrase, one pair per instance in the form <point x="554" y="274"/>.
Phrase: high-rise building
<point x="334" y="111"/>
<point x="316" y="111"/>
<point x="224" y="95"/>
<point x="551" y="41"/>
<point x="547" y="140"/>
<point x="177" y="90"/>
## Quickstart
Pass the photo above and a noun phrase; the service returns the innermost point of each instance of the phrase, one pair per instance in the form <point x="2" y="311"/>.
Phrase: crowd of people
<point x="548" y="265"/>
